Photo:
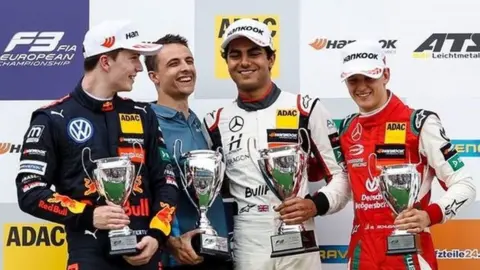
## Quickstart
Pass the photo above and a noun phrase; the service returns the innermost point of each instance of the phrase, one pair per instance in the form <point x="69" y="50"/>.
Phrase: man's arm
<point x="162" y="181"/>
<point x="38" y="163"/>
<point x="449" y="169"/>
<point x="326" y="148"/>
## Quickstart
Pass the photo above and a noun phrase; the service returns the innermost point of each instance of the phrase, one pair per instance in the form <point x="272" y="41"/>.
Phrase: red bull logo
<point x="90" y="187"/>
<point x="107" y="106"/>
<point x="163" y="218"/>
<point x="73" y="206"/>
<point x="138" y="210"/>
<point x="54" y="208"/>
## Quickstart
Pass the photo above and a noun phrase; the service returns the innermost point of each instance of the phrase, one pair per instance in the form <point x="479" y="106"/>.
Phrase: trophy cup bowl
<point x="400" y="187"/>
<point x="203" y="176"/>
<point x="114" y="177"/>
<point x="283" y="169"/>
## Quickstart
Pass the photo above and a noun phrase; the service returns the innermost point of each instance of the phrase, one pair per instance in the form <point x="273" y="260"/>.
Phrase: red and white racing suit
<point x="272" y="121"/>
<point x="398" y="134"/>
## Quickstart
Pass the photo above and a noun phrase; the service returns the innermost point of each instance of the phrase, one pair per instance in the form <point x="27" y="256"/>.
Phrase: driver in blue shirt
<point x="172" y="70"/>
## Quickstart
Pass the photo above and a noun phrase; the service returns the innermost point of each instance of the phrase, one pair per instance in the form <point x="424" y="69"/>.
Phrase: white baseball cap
<point x="363" y="57"/>
<point x="254" y="30"/>
<point x="116" y="34"/>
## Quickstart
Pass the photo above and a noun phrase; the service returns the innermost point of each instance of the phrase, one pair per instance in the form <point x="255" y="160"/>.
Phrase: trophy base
<point x="293" y="243"/>
<point x="211" y="245"/>
<point x="123" y="245"/>
<point x="398" y="244"/>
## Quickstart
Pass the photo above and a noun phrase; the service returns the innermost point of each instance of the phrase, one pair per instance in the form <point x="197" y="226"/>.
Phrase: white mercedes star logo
<point x="236" y="124"/>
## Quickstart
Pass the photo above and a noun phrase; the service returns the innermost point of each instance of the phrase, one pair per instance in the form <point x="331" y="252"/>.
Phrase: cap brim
<point x="243" y="34"/>
<point x="144" y="48"/>
<point x="374" y="73"/>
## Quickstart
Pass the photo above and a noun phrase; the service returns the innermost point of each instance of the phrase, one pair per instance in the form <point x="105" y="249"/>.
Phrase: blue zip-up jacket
<point x="175" y="126"/>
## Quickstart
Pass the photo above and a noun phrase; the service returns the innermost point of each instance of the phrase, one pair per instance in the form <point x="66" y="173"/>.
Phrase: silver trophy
<point x="399" y="185"/>
<point x="284" y="169"/>
<point x="203" y="174"/>
<point x="114" y="178"/>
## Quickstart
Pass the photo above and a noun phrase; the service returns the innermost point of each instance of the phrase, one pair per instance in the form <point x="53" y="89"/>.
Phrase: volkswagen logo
<point x="236" y="124"/>
<point x="80" y="130"/>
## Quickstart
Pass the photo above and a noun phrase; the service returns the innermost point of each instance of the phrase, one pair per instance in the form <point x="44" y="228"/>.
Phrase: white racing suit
<point x="272" y="121"/>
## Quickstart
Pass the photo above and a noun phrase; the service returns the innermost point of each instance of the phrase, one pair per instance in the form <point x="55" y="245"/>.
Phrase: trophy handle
<point x="183" y="178"/>
<point x="219" y="180"/>
<point x="89" y="158"/>
<point x="300" y="138"/>
<point x="260" y="168"/>
<point x="132" y="182"/>
<point x="141" y="163"/>
<point x="375" y="165"/>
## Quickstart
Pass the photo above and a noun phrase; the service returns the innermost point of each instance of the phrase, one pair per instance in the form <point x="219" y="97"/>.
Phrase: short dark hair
<point x="91" y="62"/>
<point x="151" y="60"/>
<point x="268" y="50"/>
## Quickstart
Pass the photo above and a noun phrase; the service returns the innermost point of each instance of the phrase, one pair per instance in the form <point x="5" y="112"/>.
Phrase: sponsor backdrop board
<point x="434" y="57"/>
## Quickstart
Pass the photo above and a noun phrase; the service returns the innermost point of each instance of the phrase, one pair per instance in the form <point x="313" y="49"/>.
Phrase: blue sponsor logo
<point x="334" y="254"/>
<point x="34" y="167"/>
<point x="80" y="129"/>
<point x="467" y="148"/>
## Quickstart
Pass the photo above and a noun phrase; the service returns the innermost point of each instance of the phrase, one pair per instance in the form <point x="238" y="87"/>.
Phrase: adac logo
<point x="221" y="25"/>
<point x="9" y="148"/>
<point x="449" y="46"/>
<point x="163" y="218"/>
<point x="389" y="45"/>
<point x="287" y="118"/>
<point x="131" y="123"/>
<point x="73" y="206"/>
<point x="287" y="112"/>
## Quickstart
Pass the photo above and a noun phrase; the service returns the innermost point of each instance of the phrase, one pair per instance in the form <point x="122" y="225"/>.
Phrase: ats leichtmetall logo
<point x="449" y="46"/>
<point x="41" y="56"/>
<point x="221" y="24"/>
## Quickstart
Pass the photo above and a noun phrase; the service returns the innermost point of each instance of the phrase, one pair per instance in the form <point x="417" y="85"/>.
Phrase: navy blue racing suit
<point x="52" y="156"/>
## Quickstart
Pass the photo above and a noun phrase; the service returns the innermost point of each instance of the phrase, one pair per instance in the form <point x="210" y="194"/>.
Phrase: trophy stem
<point x="205" y="224"/>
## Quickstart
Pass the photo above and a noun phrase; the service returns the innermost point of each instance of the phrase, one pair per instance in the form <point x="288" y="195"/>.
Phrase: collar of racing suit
<point x="91" y="103"/>
<point x="382" y="114"/>
<point x="263" y="102"/>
